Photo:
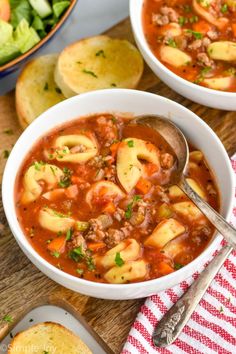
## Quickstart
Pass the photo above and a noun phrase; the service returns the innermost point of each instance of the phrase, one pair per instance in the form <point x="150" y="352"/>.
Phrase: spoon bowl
<point x="173" y="136"/>
<point x="178" y="143"/>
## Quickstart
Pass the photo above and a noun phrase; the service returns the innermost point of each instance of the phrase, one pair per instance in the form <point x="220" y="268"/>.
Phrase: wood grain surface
<point x="22" y="286"/>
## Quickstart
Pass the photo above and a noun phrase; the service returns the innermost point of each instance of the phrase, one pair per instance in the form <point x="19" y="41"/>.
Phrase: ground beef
<point x="119" y="214"/>
<point x="84" y="185"/>
<point x="78" y="148"/>
<point x="200" y="43"/>
<point x="171" y="13"/>
<point x="160" y="20"/>
<point x="181" y="42"/>
<point x="160" y="192"/>
<point x="204" y="60"/>
<point x="210" y="189"/>
<point x="199" y="232"/>
<point x="167" y="15"/>
<point x="213" y="35"/>
<point x="97" y="162"/>
<point x="114" y="236"/>
<point x="97" y="228"/>
<point x="78" y="241"/>
<point x="106" y="130"/>
<point x="167" y="160"/>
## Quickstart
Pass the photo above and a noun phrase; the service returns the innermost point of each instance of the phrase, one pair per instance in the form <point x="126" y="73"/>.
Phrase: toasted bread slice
<point x="97" y="63"/>
<point x="47" y="337"/>
<point x="36" y="90"/>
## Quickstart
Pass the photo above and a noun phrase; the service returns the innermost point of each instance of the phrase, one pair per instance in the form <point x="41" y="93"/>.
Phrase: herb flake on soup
<point x="194" y="39"/>
<point x="93" y="198"/>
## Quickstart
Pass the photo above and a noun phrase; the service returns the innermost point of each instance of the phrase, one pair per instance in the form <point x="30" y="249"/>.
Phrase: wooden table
<point x="22" y="286"/>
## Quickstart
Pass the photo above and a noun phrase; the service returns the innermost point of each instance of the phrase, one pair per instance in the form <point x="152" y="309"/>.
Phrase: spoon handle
<point x="172" y="323"/>
<point x="215" y="218"/>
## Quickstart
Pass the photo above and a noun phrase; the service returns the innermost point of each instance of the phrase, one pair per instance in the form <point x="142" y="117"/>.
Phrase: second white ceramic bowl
<point x="123" y="101"/>
<point x="196" y="93"/>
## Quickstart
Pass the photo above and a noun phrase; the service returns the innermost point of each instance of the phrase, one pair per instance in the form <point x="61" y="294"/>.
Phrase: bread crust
<point x="98" y="62"/>
<point x="36" y="90"/>
<point x="50" y="337"/>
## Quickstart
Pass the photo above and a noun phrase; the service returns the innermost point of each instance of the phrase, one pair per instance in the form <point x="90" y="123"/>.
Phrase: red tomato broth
<point x="195" y="71"/>
<point x="78" y="208"/>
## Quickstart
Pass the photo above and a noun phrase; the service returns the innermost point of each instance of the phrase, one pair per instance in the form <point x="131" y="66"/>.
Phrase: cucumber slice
<point x="42" y="7"/>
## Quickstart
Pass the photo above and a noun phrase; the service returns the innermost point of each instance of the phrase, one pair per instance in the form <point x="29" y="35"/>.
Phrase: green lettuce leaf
<point x="25" y="37"/>
<point x="60" y="7"/>
<point x="20" y="9"/>
<point x="6" y="31"/>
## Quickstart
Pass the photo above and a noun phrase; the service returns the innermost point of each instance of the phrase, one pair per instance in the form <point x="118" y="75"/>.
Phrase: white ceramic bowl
<point x="196" y="93"/>
<point x="118" y="100"/>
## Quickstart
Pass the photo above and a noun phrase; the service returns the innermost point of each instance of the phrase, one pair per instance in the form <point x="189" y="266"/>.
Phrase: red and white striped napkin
<point x="212" y="327"/>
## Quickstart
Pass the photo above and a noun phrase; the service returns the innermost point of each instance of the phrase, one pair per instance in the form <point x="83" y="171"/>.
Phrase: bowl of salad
<point x="26" y="26"/>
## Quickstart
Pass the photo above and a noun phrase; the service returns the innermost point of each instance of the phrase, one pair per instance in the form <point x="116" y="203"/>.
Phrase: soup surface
<point x="196" y="39"/>
<point x="94" y="199"/>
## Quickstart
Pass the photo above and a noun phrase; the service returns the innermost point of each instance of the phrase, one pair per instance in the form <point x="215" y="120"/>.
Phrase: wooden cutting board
<point x="23" y="287"/>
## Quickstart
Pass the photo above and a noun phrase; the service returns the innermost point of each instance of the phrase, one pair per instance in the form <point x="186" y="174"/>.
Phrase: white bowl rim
<point x="147" y="49"/>
<point x="21" y="238"/>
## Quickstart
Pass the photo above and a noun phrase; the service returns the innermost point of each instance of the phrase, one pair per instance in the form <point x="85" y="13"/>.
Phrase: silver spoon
<point x="175" y="319"/>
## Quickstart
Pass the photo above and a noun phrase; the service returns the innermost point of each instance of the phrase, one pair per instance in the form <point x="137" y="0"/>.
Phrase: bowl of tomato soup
<point x="191" y="46"/>
<point x="89" y="200"/>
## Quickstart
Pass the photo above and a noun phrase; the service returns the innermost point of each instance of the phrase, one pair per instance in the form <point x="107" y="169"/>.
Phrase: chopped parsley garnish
<point x="171" y="43"/>
<point x="31" y="320"/>
<point x="45" y="352"/>
<point x="205" y="70"/>
<point x="119" y="261"/>
<point x="90" y="263"/>
<point x="114" y="120"/>
<point x="58" y="90"/>
<point x="6" y="154"/>
<point x="193" y="19"/>
<point x="7" y="318"/>
<point x="129" y="209"/>
<point x="224" y="8"/>
<point x="65" y="181"/>
<point x="89" y="72"/>
<point x="197" y="35"/>
<point x="60" y="215"/>
<point x="178" y="266"/>
<point x="45" y="86"/>
<point x="78" y="255"/>
<point x="69" y="234"/>
<point x="113" y="84"/>
<point x="53" y="170"/>
<point x="56" y="254"/>
<point x="38" y="165"/>
<point x="187" y="8"/>
<point x="182" y="20"/>
<point x="136" y="198"/>
<point x="79" y="271"/>
<point x="100" y="53"/>
<point x="8" y="131"/>
<point x="130" y="143"/>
